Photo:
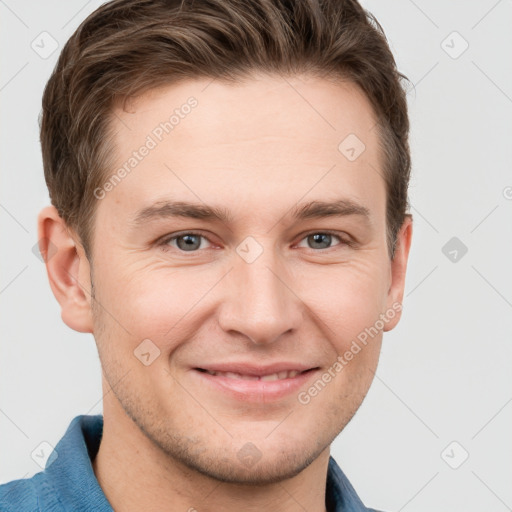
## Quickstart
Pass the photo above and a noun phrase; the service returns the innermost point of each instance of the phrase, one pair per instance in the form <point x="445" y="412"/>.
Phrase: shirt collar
<point x="69" y="471"/>
<point x="340" y="496"/>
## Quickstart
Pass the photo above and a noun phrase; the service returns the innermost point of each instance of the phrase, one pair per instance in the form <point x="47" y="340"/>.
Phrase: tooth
<point x="273" y="376"/>
<point x="249" y="377"/>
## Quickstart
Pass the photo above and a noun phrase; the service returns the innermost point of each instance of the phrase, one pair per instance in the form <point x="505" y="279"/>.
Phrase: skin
<point x="257" y="149"/>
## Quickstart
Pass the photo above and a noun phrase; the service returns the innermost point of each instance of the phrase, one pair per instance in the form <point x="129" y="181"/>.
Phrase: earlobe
<point x="398" y="272"/>
<point x="67" y="268"/>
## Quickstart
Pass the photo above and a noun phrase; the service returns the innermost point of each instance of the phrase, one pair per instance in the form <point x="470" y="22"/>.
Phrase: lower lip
<point x="256" y="390"/>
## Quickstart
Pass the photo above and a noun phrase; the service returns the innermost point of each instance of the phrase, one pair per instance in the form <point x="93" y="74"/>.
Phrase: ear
<point x="67" y="268"/>
<point x="398" y="270"/>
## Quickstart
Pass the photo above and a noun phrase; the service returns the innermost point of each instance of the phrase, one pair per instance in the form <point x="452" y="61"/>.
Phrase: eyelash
<point x="164" y="243"/>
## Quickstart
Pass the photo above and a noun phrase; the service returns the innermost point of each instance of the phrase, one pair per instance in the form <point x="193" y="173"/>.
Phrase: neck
<point x="135" y="474"/>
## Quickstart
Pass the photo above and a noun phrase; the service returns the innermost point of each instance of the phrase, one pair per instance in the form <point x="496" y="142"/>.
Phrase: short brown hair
<point x="127" y="47"/>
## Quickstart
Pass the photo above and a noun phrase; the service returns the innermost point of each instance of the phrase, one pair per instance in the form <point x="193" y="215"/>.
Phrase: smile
<point x="255" y="386"/>
<point x="287" y="374"/>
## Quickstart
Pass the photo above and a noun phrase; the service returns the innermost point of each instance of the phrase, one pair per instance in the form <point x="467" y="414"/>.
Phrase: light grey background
<point x="445" y="371"/>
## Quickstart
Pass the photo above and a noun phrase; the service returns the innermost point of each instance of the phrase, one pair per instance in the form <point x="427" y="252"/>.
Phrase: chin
<point x="253" y="472"/>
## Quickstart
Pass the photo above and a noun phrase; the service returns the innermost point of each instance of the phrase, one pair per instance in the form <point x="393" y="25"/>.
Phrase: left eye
<point x="186" y="242"/>
<point x="319" y="240"/>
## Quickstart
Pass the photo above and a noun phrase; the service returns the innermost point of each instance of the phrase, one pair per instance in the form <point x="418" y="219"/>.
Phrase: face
<point x="228" y="293"/>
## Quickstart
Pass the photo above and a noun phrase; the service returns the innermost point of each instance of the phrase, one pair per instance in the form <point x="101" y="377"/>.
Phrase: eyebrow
<point x="340" y="208"/>
<point x="168" y="209"/>
<point x="305" y="211"/>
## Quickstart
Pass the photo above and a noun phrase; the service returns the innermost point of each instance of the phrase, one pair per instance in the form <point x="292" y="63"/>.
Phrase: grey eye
<point x="189" y="242"/>
<point x="320" y="240"/>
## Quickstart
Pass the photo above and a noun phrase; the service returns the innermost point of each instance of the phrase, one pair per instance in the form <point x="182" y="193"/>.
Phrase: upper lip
<point x="256" y="370"/>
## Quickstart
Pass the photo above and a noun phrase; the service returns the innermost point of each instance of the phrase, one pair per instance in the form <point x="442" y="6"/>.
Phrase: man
<point x="229" y="192"/>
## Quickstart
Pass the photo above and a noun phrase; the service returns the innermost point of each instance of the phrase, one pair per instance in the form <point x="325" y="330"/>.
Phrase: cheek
<point x="161" y="304"/>
<point x="347" y="299"/>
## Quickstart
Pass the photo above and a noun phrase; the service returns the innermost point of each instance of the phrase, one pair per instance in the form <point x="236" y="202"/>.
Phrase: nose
<point x="260" y="301"/>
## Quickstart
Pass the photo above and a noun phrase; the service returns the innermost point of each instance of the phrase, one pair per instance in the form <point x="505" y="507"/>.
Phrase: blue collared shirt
<point x="68" y="482"/>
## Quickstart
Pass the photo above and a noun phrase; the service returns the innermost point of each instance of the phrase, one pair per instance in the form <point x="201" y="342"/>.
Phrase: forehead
<point x="270" y="139"/>
<point x="263" y="105"/>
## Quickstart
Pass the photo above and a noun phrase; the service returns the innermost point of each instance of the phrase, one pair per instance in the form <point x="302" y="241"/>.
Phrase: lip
<point x="257" y="391"/>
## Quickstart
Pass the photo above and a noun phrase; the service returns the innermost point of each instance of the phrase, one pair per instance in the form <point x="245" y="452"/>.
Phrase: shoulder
<point x="34" y="494"/>
<point x="67" y="479"/>
<point x="21" y="495"/>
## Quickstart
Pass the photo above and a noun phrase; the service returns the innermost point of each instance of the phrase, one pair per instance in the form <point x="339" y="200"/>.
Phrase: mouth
<point x="282" y="375"/>
<point x="255" y="385"/>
